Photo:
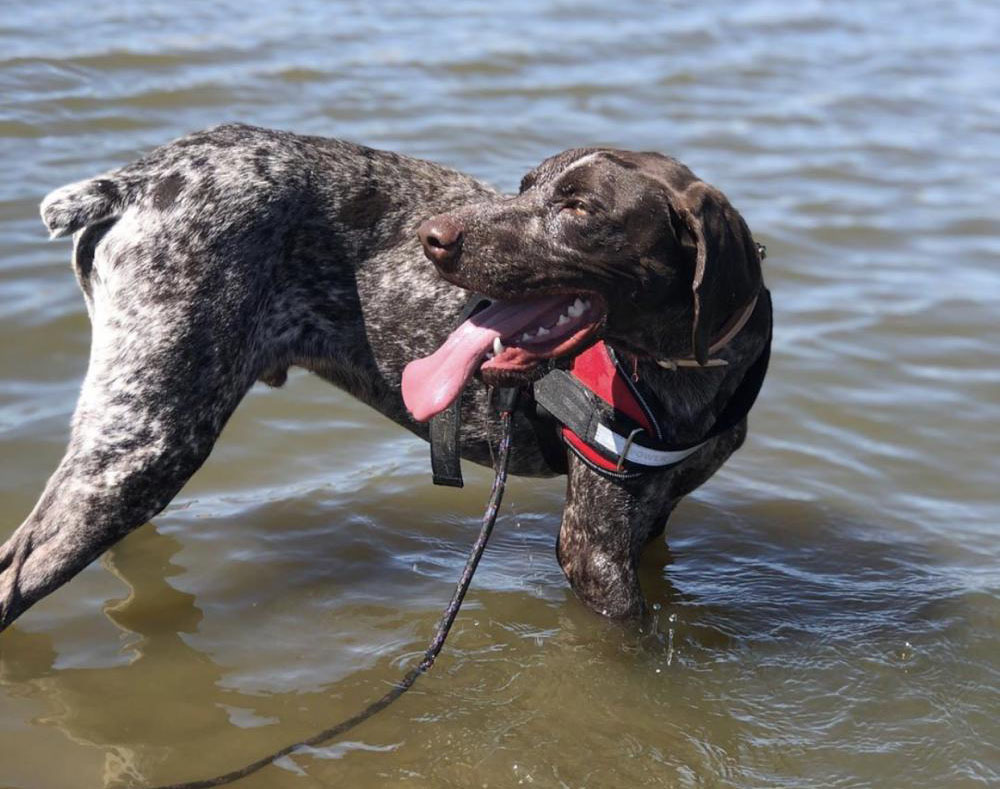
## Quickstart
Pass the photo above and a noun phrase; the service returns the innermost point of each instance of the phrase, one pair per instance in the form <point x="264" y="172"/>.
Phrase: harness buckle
<point x="628" y="445"/>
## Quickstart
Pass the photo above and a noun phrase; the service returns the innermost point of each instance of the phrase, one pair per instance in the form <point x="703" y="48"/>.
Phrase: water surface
<point x="828" y="605"/>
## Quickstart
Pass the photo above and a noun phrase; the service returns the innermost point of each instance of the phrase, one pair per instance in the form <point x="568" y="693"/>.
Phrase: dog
<point x="229" y="255"/>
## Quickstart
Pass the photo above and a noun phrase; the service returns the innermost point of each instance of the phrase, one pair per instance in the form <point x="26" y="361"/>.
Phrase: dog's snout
<point x="441" y="237"/>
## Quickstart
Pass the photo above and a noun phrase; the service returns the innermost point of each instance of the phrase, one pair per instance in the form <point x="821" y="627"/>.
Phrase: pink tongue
<point x="431" y="384"/>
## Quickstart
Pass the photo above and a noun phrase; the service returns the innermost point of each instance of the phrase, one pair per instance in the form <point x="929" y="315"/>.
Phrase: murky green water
<point x="829" y="602"/>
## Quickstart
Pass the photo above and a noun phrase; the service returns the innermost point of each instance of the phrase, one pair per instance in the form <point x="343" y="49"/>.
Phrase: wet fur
<point x="230" y="255"/>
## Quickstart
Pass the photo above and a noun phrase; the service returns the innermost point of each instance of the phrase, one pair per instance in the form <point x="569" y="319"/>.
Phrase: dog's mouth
<point x="505" y="343"/>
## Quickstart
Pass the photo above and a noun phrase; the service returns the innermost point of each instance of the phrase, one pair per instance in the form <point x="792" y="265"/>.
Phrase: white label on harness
<point x="615" y="443"/>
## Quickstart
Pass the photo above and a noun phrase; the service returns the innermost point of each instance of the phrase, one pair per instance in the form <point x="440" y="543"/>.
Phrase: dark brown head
<point x="663" y="256"/>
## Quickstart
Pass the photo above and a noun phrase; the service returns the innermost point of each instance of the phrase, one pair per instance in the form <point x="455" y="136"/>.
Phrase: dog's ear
<point x="726" y="260"/>
<point x="528" y="181"/>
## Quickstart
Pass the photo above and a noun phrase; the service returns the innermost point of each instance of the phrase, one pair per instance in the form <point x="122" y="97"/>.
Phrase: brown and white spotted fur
<point x="229" y="255"/>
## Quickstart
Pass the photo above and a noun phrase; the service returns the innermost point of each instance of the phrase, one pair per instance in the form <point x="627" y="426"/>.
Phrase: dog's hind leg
<point x="175" y="347"/>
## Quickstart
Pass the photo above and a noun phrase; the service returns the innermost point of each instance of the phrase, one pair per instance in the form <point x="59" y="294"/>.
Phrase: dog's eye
<point x="576" y="207"/>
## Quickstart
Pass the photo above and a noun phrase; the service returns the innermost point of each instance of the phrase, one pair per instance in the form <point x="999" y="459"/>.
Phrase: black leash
<point x="447" y="619"/>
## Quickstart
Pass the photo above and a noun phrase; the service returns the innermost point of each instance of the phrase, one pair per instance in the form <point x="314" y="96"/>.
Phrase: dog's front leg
<point x="605" y="525"/>
<point x="162" y="381"/>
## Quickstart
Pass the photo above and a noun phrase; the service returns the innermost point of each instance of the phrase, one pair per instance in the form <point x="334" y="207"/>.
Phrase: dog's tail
<point x="77" y="205"/>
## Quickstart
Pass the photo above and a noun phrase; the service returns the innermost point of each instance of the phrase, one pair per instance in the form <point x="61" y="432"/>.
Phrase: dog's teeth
<point x="586" y="304"/>
<point x="528" y="335"/>
<point x="563" y="320"/>
<point x="497" y="346"/>
<point x="542" y="331"/>
<point x="576" y="309"/>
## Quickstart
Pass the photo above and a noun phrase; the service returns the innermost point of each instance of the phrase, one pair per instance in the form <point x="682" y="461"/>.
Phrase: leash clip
<point x="628" y="445"/>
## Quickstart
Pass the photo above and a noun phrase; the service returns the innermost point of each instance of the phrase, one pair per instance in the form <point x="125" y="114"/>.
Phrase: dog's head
<point x="629" y="246"/>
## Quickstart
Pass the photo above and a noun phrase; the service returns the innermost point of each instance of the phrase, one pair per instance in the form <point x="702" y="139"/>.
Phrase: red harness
<point x="628" y="439"/>
<point x="598" y="372"/>
<point x="601" y="414"/>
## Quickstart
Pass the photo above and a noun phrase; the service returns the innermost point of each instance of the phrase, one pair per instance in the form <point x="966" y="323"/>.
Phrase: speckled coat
<point x="229" y="255"/>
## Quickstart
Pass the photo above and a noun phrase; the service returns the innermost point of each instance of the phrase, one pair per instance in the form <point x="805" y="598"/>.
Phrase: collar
<point x="728" y="331"/>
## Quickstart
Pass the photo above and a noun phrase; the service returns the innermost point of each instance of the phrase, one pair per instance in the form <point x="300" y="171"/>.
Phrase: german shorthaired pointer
<point x="229" y="255"/>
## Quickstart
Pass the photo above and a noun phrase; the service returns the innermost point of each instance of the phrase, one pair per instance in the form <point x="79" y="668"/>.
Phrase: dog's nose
<point x="442" y="239"/>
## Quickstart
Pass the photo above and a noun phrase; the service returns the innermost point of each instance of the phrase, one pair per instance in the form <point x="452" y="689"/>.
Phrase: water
<point x="829" y="602"/>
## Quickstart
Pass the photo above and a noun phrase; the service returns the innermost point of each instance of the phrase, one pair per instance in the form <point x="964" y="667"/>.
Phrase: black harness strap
<point x="577" y="408"/>
<point x="741" y="401"/>
<point x="446" y="465"/>
<point x="446" y="462"/>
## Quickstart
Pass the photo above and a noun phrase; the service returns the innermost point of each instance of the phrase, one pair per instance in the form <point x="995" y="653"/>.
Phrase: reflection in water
<point x="170" y="682"/>
<point x="756" y="613"/>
